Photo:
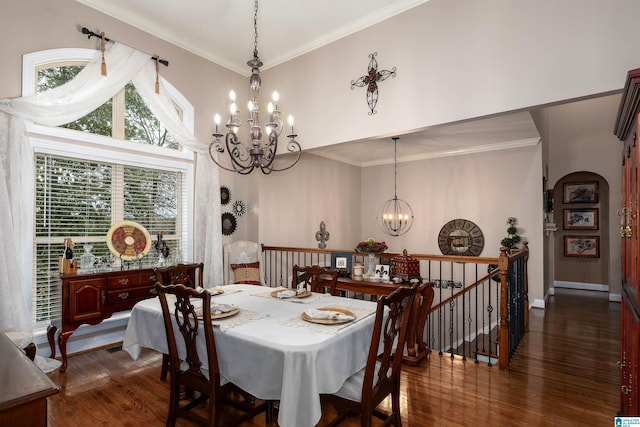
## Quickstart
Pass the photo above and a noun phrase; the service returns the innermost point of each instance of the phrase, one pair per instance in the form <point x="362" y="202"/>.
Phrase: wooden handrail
<point x="432" y="257"/>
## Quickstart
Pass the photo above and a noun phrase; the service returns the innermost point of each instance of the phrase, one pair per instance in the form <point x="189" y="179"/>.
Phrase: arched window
<point x="116" y="163"/>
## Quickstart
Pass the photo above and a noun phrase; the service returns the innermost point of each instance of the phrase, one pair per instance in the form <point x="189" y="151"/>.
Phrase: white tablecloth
<point x="273" y="357"/>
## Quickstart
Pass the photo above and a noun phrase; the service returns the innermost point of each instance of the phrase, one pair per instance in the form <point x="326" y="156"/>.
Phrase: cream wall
<point x="459" y="59"/>
<point x="293" y="203"/>
<point x="485" y="188"/>
<point x="580" y="138"/>
<point x="456" y="59"/>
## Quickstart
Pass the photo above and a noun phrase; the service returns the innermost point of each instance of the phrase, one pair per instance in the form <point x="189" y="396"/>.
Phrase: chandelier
<point x="247" y="156"/>
<point x="396" y="216"/>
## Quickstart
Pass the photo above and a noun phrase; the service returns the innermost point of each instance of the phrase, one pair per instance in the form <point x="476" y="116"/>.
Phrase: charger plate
<point x="300" y="295"/>
<point x="222" y="315"/>
<point x="226" y="314"/>
<point x="308" y="318"/>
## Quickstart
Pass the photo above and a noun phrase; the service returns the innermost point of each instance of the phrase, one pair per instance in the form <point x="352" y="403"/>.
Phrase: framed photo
<point x="580" y="192"/>
<point x="582" y="246"/>
<point x="580" y="219"/>
<point x="341" y="261"/>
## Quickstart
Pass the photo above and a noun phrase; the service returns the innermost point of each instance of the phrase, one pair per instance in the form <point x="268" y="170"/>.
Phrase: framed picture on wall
<point x="582" y="246"/>
<point x="580" y="219"/>
<point x="341" y="261"/>
<point x="580" y="192"/>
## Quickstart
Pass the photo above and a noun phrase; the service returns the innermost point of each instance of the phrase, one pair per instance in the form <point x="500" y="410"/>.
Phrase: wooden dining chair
<point x="184" y="322"/>
<point x="189" y="275"/>
<point x="315" y="278"/>
<point x="362" y="392"/>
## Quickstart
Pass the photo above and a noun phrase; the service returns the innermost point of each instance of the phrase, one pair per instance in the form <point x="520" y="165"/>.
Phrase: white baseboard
<point x="580" y="285"/>
<point x="537" y="303"/>
<point x="87" y="337"/>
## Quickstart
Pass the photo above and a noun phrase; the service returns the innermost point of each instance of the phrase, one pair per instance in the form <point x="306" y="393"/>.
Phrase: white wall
<point x="485" y="188"/>
<point x="580" y="138"/>
<point x="293" y="203"/>
<point x="459" y="59"/>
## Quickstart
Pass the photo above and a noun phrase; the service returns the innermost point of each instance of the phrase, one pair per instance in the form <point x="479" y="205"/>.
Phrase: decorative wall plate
<point x="128" y="240"/>
<point x="228" y="223"/>
<point x="239" y="208"/>
<point x="461" y="237"/>
<point x="225" y="195"/>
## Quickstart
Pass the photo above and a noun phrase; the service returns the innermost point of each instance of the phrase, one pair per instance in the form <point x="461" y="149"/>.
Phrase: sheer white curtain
<point x="62" y="105"/>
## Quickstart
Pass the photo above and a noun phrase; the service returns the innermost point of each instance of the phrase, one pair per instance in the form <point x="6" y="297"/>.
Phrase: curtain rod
<point x="90" y="34"/>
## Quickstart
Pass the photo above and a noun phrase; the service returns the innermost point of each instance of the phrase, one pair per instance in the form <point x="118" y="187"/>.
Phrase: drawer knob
<point x="123" y="281"/>
<point x="123" y="295"/>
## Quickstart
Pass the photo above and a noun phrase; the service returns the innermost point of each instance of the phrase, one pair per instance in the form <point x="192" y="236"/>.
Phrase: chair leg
<point x="30" y="351"/>
<point x="165" y="367"/>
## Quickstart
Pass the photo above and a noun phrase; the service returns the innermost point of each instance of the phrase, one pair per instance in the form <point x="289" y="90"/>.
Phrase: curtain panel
<point x="64" y="104"/>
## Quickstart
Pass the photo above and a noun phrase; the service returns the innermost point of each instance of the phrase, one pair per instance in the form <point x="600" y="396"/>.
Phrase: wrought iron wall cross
<point x="371" y="80"/>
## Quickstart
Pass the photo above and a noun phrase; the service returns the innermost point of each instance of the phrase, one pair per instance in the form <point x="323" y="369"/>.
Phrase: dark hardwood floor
<point x="564" y="373"/>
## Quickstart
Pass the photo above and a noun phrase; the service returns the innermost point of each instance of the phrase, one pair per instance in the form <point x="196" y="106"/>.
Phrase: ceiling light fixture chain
<point x="245" y="157"/>
<point x="396" y="216"/>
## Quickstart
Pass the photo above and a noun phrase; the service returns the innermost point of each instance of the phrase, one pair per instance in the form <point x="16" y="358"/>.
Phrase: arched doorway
<point x="581" y="244"/>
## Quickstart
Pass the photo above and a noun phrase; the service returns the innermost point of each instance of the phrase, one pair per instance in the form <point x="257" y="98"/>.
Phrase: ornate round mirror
<point x="461" y="237"/>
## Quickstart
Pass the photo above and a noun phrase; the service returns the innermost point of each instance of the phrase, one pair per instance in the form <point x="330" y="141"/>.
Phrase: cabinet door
<point x="85" y="299"/>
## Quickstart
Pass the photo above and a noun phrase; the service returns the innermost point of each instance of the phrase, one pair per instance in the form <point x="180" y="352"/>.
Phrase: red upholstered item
<point x="246" y="273"/>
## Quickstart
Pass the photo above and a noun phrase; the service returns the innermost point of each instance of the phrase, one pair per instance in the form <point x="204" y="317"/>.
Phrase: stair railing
<point x="480" y="307"/>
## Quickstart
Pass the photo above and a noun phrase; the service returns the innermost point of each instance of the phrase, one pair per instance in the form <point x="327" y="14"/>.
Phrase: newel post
<point x="503" y="332"/>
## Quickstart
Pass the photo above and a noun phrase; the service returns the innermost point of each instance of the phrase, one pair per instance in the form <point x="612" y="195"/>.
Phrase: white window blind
<point x="81" y="199"/>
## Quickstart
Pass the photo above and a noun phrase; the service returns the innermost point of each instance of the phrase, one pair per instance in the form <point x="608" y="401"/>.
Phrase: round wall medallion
<point x="461" y="237"/>
<point x="239" y="208"/>
<point x="228" y="223"/>
<point x="225" y="195"/>
<point x="128" y="240"/>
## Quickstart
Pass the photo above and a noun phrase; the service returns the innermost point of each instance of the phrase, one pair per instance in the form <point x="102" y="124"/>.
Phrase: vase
<point x="372" y="266"/>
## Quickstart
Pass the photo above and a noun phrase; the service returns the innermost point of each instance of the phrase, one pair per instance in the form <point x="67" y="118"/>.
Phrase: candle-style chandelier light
<point x="247" y="156"/>
<point x="396" y="216"/>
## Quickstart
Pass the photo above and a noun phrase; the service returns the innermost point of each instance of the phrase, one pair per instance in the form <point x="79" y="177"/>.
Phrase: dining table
<point x="271" y="347"/>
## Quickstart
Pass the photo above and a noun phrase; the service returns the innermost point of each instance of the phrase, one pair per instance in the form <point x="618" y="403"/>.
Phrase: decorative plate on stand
<point x="128" y="240"/>
<point x="228" y="223"/>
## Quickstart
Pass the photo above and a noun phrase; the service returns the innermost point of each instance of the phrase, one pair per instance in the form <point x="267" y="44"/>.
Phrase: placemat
<point x="239" y="319"/>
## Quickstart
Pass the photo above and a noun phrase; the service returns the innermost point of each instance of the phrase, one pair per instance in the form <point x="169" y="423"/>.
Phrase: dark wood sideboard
<point x="24" y="390"/>
<point x="89" y="298"/>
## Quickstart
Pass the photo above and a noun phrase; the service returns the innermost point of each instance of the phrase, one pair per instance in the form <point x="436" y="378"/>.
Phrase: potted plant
<point x="512" y="238"/>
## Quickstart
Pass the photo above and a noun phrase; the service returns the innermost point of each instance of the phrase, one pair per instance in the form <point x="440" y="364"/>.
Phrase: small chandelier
<point x="245" y="157"/>
<point x="396" y="216"/>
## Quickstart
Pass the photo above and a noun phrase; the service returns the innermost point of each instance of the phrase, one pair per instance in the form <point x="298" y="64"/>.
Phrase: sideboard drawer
<point x="124" y="282"/>
<point x="134" y="294"/>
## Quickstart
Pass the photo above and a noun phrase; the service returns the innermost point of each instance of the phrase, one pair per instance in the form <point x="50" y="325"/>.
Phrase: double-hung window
<point x="116" y="163"/>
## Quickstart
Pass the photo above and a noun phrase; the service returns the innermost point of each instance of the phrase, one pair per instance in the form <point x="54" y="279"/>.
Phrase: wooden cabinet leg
<point x="62" y="343"/>
<point x="51" y="334"/>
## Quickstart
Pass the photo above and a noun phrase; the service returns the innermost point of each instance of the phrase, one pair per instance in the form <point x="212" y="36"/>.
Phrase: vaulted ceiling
<point x="222" y="31"/>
